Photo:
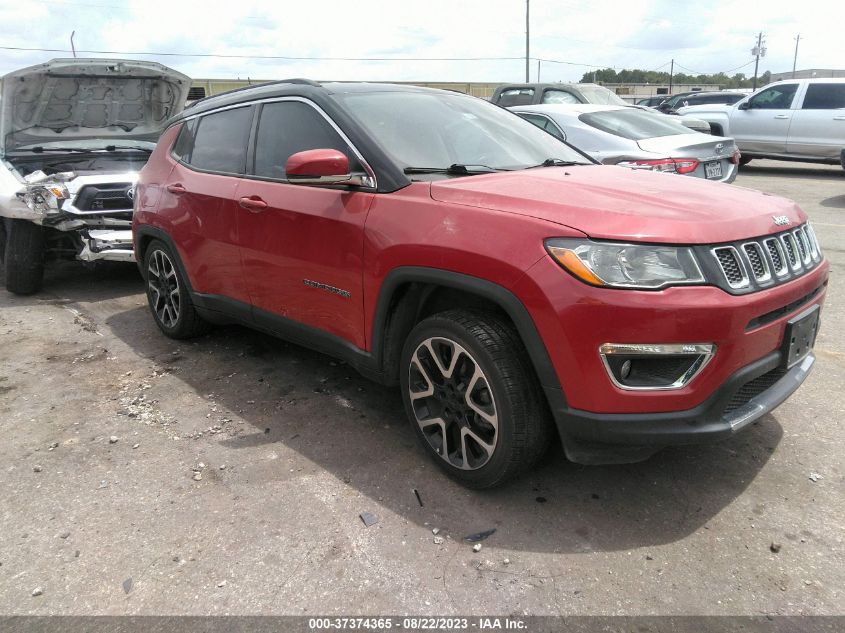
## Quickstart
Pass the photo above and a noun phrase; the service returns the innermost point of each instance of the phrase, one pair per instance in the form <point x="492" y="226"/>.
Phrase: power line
<point x="282" y="57"/>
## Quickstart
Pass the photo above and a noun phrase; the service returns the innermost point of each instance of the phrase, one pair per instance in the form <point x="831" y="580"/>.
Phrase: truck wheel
<point x="472" y="397"/>
<point x="23" y="257"/>
<point x="168" y="296"/>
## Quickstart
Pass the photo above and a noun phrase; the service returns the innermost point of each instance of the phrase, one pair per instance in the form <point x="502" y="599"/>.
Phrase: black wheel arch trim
<point x="501" y="296"/>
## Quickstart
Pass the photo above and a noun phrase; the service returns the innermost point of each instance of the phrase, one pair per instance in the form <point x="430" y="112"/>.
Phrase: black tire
<point x="174" y="314"/>
<point x="24" y="257"/>
<point x="491" y="344"/>
<point x="744" y="160"/>
<point x="842" y="159"/>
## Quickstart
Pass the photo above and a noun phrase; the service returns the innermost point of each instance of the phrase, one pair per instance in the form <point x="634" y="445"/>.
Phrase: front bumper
<point x="749" y="394"/>
<point x="115" y="246"/>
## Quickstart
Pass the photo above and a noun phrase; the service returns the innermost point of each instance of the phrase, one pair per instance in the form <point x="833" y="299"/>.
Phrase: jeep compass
<point x="514" y="290"/>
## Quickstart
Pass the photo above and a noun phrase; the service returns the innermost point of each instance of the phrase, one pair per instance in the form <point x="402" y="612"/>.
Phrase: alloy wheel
<point x="453" y="403"/>
<point x="163" y="286"/>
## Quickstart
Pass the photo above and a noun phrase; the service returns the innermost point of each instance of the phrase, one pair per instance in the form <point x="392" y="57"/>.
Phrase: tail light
<point x="735" y="157"/>
<point x="669" y="165"/>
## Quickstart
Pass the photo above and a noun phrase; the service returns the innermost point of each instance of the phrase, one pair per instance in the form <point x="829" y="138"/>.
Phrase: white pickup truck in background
<point x="798" y="119"/>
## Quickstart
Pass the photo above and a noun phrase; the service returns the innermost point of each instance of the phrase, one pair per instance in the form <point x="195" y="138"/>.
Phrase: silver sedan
<point x="633" y="137"/>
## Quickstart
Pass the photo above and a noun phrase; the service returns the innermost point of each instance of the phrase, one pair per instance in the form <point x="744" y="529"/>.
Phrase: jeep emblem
<point x="780" y="220"/>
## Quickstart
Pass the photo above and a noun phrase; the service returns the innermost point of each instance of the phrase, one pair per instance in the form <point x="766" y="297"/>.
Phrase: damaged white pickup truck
<point x="74" y="133"/>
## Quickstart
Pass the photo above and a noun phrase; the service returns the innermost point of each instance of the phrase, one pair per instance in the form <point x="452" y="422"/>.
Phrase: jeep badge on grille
<point x="780" y="220"/>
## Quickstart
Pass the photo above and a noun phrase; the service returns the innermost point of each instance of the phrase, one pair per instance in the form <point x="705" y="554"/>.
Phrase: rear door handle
<point x="781" y="116"/>
<point x="253" y="203"/>
<point x="176" y="188"/>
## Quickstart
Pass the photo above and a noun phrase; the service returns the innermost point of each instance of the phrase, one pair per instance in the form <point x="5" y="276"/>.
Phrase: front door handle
<point x="781" y="116"/>
<point x="253" y="203"/>
<point x="176" y="188"/>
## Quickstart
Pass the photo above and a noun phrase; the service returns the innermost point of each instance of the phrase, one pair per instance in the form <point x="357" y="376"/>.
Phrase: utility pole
<point x="671" y="75"/>
<point x="539" y="61"/>
<point x="758" y="52"/>
<point x="72" y="47"/>
<point x="527" y="40"/>
<point x="795" y="59"/>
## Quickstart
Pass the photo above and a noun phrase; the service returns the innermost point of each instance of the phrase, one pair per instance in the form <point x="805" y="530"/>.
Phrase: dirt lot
<point x="104" y="421"/>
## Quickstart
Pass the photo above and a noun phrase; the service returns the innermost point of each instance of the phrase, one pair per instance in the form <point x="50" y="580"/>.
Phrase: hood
<point x="705" y="108"/>
<point x="616" y="203"/>
<point x="72" y="100"/>
<point x="685" y="145"/>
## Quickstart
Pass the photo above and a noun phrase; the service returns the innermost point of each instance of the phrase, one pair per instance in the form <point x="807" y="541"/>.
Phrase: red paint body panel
<point x="305" y="233"/>
<point x="617" y="203"/>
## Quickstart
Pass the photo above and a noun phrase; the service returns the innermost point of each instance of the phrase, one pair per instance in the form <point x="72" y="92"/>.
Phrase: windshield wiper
<point x="557" y="162"/>
<point x="108" y="148"/>
<point x="455" y="169"/>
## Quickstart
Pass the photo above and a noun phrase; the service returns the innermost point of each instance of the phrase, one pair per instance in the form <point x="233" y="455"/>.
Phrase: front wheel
<point x="168" y="296"/>
<point x="472" y="397"/>
<point x="23" y="256"/>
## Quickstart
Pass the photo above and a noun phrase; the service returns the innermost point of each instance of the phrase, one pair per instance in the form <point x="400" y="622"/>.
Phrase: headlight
<point x="626" y="265"/>
<point x="44" y="198"/>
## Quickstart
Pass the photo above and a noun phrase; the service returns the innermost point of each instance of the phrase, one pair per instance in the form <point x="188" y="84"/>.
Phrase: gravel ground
<point x="227" y="475"/>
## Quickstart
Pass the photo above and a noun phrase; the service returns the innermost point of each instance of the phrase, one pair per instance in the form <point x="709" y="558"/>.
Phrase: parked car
<point x="631" y="137"/>
<point x="795" y="119"/>
<point x="503" y="279"/>
<point x="509" y="95"/>
<point x="651" y="102"/>
<point x="75" y="133"/>
<point x="670" y="105"/>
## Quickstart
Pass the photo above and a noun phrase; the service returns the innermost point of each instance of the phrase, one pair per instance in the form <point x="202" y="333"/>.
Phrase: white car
<point x="74" y="133"/>
<point x="794" y="119"/>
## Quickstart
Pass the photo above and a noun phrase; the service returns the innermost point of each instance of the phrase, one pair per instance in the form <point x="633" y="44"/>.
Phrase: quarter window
<point x="515" y="97"/>
<point x="824" y="97"/>
<point x="221" y="140"/>
<point x="774" y="98"/>
<point x="288" y="127"/>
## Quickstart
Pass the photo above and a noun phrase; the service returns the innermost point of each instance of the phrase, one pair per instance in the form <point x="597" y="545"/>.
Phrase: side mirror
<point x="745" y="105"/>
<point x="318" y="167"/>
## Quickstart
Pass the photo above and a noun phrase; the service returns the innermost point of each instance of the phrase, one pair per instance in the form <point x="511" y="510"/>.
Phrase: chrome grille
<point x="776" y="255"/>
<point x="771" y="259"/>
<point x="759" y="263"/>
<point x="732" y="266"/>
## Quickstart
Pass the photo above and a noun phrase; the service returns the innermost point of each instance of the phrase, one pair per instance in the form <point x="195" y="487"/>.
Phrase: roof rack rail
<point x="295" y="80"/>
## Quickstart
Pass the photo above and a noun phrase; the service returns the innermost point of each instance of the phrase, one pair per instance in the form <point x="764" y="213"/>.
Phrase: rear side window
<point x="559" y="96"/>
<point x="824" y="97"/>
<point x="288" y="127"/>
<point x="544" y="123"/>
<point x="185" y="141"/>
<point x="515" y="97"/>
<point x="220" y="141"/>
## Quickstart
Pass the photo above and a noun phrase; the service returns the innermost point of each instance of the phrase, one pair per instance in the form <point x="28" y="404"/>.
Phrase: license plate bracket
<point x="800" y="336"/>
<point x="713" y="169"/>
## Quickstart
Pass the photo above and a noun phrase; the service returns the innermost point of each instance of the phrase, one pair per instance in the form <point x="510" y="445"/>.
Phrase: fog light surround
<point x="655" y="367"/>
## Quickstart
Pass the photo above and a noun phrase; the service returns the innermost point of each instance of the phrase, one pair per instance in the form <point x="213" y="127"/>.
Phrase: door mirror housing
<point x="318" y="167"/>
<point x="745" y="105"/>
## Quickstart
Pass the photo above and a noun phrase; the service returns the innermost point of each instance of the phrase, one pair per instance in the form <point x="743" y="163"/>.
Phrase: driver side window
<point x="774" y="98"/>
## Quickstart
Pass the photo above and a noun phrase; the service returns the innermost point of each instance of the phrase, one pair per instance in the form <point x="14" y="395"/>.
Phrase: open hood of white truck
<point x="64" y="102"/>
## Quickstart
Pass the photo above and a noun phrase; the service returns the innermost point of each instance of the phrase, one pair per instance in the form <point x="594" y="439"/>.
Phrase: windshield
<point x="600" y="95"/>
<point x="436" y="130"/>
<point x="634" y="124"/>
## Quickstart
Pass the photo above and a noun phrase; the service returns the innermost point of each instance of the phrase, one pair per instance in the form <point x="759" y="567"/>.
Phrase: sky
<point x="702" y="37"/>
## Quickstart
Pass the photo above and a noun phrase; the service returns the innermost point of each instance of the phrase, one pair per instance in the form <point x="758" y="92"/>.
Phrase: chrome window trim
<point x="371" y="175"/>
<point x="706" y="352"/>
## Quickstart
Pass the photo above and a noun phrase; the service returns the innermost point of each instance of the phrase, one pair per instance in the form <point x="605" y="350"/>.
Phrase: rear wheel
<point x="23" y="257"/>
<point x="472" y="397"/>
<point x="168" y="296"/>
<point x="744" y="160"/>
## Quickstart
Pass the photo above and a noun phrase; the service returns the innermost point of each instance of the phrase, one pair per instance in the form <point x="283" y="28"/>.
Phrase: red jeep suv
<point x="510" y="286"/>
